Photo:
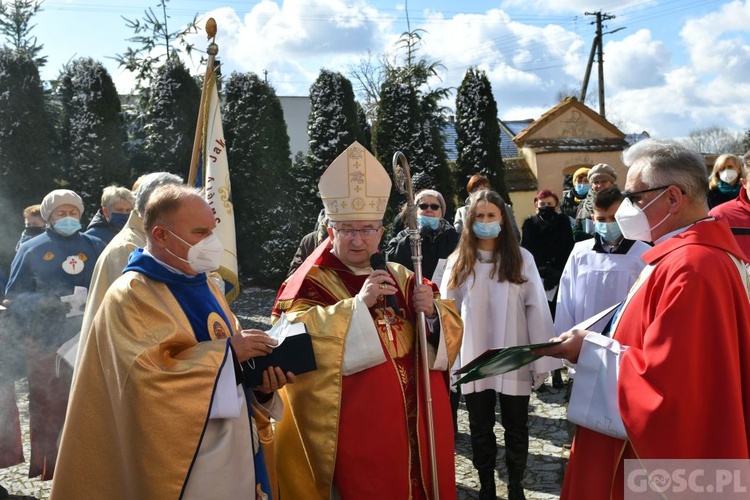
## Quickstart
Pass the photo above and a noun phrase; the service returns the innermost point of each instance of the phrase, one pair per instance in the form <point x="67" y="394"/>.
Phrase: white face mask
<point x="633" y="221"/>
<point x="205" y="255"/>
<point x="728" y="175"/>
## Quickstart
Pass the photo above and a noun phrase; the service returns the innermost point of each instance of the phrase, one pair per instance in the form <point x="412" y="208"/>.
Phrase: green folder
<point x="498" y="361"/>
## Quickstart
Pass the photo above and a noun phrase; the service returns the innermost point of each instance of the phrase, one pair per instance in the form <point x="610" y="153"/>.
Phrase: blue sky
<point x="677" y="65"/>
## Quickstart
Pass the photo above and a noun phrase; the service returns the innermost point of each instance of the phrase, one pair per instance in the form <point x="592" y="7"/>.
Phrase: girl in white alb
<point x="501" y="299"/>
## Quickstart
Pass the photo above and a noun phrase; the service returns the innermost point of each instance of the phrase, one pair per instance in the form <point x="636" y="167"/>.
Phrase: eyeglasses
<point x="425" y="206"/>
<point x="635" y="196"/>
<point x="349" y="234"/>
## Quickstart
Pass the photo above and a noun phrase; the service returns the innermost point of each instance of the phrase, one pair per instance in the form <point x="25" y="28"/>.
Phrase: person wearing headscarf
<point x="573" y="197"/>
<point x="46" y="290"/>
<point x="601" y="176"/>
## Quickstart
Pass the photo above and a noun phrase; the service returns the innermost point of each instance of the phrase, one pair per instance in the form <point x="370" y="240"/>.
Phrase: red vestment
<point x="737" y="214"/>
<point x="684" y="381"/>
<point x="378" y="436"/>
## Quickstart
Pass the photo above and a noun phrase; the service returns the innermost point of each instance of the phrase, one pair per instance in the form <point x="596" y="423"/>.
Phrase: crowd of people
<point x="160" y="396"/>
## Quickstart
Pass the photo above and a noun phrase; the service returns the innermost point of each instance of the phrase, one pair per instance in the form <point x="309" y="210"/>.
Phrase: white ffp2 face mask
<point x="633" y="221"/>
<point x="205" y="255"/>
<point x="728" y="175"/>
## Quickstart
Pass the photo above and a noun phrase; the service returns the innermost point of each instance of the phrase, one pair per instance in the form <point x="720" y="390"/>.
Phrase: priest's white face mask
<point x="633" y="220"/>
<point x="204" y="256"/>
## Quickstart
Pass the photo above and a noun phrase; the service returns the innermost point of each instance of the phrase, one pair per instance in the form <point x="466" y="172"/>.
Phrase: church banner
<point x="213" y="175"/>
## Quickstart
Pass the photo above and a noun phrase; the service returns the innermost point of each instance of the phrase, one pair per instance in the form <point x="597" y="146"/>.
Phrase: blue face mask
<point x="486" y="230"/>
<point x="67" y="226"/>
<point x="609" y="231"/>
<point x="118" y="221"/>
<point x="427" y="221"/>
<point x="582" y="189"/>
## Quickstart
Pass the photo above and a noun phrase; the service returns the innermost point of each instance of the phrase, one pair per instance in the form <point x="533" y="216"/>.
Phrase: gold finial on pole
<point x="210" y="28"/>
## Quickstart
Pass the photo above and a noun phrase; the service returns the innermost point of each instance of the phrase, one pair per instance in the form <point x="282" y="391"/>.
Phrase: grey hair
<point x="113" y="193"/>
<point x="148" y="184"/>
<point x="668" y="162"/>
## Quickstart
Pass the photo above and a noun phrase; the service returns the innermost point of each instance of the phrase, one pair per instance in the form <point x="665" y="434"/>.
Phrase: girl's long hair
<point x="508" y="264"/>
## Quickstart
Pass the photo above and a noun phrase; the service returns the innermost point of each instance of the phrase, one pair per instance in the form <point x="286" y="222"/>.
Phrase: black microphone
<point x="378" y="262"/>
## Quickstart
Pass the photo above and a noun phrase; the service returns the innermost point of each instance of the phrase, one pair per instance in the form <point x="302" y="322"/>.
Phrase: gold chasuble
<point x="139" y="407"/>
<point x="363" y="432"/>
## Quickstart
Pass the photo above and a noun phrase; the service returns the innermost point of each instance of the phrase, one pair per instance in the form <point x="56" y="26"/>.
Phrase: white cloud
<point x="715" y="42"/>
<point x="635" y="62"/>
<point x="522" y="62"/>
<point x="709" y="89"/>
<point x="124" y="81"/>
<point x="527" y="64"/>
<point x="293" y="40"/>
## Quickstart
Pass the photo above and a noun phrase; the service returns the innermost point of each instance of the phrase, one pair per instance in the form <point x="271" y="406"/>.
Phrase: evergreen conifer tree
<point x="478" y="133"/>
<point x="333" y="125"/>
<point x="92" y="131"/>
<point x="15" y="25"/>
<point x="420" y="116"/>
<point x="171" y="113"/>
<point x="259" y="162"/>
<point x="398" y="127"/>
<point x="26" y="171"/>
<point x="434" y="160"/>
<point x="334" y="121"/>
<point x="364" y="126"/>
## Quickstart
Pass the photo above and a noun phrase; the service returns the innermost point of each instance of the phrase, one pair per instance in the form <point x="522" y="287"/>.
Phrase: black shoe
<point x="487" y="484"/>
<point x="515" y="488"/>
<point x="557" y="381"/>
<point x="516" y="492"/>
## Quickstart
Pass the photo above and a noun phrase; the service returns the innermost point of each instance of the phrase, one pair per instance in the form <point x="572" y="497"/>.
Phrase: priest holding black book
<point x="160" y="406"/>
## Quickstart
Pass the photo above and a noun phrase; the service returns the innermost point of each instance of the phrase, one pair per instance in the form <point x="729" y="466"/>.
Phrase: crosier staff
<point x="402" y="180"/>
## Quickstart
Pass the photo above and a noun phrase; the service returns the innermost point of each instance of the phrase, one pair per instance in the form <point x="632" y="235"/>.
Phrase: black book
<point x="293" y="354"/>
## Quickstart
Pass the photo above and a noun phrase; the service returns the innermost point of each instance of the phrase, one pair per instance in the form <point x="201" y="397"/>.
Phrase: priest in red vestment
<point x="357" y="426"/>
<point x="682" y="339"/>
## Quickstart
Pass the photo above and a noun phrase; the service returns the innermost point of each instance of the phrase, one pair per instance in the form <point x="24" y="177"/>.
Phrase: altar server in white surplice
<point x="501" y="299"/>
<point x="599" y="271"/>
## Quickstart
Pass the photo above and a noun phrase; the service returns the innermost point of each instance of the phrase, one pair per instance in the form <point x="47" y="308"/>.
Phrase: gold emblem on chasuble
<point x="217" y="328"/>
<point x="397" y="335"/>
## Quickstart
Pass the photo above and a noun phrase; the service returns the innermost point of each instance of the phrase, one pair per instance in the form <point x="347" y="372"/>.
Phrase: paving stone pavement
<point x="549" y="444"/>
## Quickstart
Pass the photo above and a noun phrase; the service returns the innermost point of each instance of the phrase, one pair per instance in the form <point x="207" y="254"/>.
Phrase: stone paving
<point x="550" y="433"/>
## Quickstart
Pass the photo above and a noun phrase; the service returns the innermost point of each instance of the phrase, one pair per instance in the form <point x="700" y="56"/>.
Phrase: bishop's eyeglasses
<point x="349" y="234"/>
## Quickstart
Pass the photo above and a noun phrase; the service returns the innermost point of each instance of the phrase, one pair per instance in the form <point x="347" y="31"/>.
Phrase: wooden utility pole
<point x="597" y="47"/>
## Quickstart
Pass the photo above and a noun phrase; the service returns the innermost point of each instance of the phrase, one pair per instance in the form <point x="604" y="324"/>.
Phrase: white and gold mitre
<point x="355" y="186"/>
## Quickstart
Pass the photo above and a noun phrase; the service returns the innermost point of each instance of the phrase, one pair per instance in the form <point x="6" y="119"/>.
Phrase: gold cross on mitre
<point x="355" y="186"/>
